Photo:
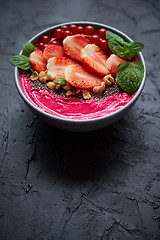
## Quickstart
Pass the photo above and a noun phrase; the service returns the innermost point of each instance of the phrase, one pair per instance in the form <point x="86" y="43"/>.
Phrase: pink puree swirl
<point x="70" y="108"/>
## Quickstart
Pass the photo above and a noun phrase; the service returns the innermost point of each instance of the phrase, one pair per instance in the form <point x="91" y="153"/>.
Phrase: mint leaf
<point x="121" y="48"/>
<point x="28" y="48"/>
<point x="113" y="37"/>
<point x="21" y="62"/>
<point x="122" y="51"/>
<point x="60" y="81"/>
<point x="129" y="76"/>
<point x="135" y="48"/>
<point x="114" y="41"/>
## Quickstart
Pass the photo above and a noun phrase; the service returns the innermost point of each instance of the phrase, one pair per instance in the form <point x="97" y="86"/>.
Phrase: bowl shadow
<point x="75" y="155"/>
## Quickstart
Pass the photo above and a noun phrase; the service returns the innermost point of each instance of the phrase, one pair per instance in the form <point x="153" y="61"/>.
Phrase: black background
<point x="61" y="185"/>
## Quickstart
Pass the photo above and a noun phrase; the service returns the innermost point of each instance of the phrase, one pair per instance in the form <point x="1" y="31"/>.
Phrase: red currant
<point x="73" y="29"/>
<point x="64" y="28"/>
<point x="109" y="52"/>
<point x="89" y="30"/>
<point x="45" y="39"/>
<point x="102" y="33"/>
<point x="60" y="41"/>
<point x="40" y="46"/>
<point x="58" y="33"/>
<point x="66" y="33"/>
<point x="54" y="41"/>
<point x="95" y="39"/>
<point x="45" y="45"/>
<point x="103" y="45"/>
<point x="80" y="29"/>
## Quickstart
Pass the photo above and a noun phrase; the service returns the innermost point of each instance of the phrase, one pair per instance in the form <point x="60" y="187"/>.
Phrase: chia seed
<point x="37" y="85"/>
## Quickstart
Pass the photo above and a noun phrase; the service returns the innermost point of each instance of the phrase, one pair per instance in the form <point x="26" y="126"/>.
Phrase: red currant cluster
<point x="96" y="37"/>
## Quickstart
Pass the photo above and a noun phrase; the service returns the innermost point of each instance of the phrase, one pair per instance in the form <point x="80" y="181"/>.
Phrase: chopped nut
<point x="100" y="88"/>
<point x="51" y="85"/>
<point x="57" y="86"/>
<point x="77" y="91"/>
<point x="34" y="76"/>
<point x="66" y="87"/>
<point x="69" y="93"/>
<point x="86" y="94"/>
<point x="107" y="82"/>
<point x="43" y="76"/>
<point x="110" y="78"/>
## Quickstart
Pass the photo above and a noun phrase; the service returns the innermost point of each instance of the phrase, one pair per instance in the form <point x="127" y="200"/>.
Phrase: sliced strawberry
<point x="56" y="66"/>
<point x="37" y="61"/>
<point x="95" y="59"/>
<point x="112" y="63"/>
<point x="53" y="50"/>
<point x="73" y="45"/>
<point x="80" y="77"/>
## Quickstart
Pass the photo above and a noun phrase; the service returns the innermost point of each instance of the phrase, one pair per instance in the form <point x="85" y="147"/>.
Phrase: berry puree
<point x="71" y="108"/>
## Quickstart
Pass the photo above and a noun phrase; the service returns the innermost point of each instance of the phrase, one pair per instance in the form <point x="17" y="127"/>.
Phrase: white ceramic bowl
<point x="89" y="124"/>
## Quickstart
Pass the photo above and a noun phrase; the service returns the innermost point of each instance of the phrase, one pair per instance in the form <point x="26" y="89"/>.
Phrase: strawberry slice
<point x="37" y="61"/>
<point x="80" y="77"/>
<point x="57" y="65"/>
<point x="53" y="50"/>
<point x="73" y="44"/>
<point x="95" y="59"/>
<point x="113" y="61"/>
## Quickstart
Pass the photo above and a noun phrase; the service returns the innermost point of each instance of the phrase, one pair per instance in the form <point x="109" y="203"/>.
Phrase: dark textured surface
<point x="98" y="185"/>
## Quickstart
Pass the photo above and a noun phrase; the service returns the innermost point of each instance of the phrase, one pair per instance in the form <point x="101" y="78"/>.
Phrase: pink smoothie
<point x="70" y="108"/>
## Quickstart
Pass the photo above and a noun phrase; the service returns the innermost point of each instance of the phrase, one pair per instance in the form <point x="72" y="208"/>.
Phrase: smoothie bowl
<point x="80" y="76"/>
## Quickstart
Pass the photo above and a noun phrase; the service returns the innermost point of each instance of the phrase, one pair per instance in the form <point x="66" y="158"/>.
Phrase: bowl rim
<point x="108" y="116"/>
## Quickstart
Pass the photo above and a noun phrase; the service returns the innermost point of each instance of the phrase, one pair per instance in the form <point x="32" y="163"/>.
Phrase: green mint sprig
<point x="122" y="48"/>
<point x="60" y="81"/>
<point x="28" y="48"/>
<point x="22" y="61"/>
<point x="129" y="76"/>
